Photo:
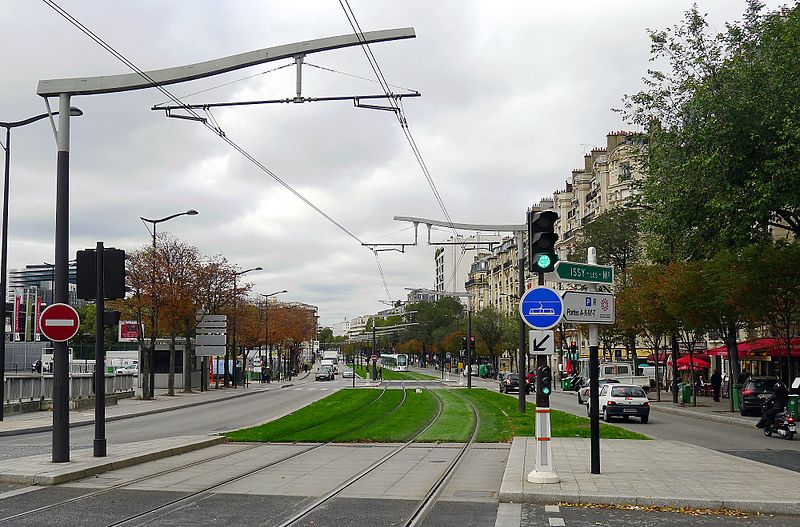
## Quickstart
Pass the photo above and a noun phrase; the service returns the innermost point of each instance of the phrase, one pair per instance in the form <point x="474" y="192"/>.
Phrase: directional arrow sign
<point x="541" y="342"/>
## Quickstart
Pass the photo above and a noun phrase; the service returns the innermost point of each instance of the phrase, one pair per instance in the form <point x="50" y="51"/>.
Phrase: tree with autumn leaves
<point x="188" y="283"/>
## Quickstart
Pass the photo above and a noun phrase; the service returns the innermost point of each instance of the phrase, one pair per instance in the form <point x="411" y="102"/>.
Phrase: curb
<point x="705" y="416"/>
<point x="511" y="491"/>
<point x="49" y="428"/>
<point x="763" y="507"/>
<point x="45" y="479"/>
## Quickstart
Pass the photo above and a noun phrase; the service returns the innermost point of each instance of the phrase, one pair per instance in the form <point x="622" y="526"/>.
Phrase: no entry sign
<point x="59" y="322"/>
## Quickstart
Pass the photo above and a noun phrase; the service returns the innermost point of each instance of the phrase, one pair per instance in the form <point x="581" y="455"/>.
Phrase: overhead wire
<point x="398" y="110"/>
<point x="119" y="56"/>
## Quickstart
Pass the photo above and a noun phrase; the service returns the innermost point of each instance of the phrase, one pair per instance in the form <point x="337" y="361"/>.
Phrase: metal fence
<point x="32" y="387"/>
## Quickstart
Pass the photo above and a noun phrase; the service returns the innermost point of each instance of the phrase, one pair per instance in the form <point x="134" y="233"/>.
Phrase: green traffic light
<point x="544" y="261"/>
<point x="546" y="390"/>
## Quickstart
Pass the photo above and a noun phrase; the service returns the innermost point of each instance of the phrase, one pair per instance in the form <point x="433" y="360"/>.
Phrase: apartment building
<point x="603" y="183"/>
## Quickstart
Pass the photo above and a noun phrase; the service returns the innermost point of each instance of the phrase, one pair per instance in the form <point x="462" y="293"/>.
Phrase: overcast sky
<point x="513" y="94"/>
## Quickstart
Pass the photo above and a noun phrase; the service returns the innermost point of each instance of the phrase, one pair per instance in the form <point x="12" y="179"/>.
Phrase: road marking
<point x="551" y="508"/>
<point x="509" y="515"/>
<point x="59" y="322"/>
<point x="556" y="522"/>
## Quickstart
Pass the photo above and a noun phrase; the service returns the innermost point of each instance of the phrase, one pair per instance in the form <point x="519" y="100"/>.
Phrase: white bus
<point x="397" y="362"/>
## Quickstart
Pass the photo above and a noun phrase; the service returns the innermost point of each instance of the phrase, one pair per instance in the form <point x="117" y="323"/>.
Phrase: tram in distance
<point x="398" y="362"/>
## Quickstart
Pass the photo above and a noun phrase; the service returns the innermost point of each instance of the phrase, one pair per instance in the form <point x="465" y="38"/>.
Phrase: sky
<point x="513" y="94"/>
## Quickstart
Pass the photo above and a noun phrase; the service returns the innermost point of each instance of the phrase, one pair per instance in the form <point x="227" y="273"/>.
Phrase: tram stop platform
<point x="650" y="473"/>
<point x="40" y="470"/>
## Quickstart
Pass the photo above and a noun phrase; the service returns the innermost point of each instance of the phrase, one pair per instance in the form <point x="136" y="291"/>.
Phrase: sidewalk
<point x="650" y="473"/>
<point x="706" y="409"/>
<point x="33" y="422"/>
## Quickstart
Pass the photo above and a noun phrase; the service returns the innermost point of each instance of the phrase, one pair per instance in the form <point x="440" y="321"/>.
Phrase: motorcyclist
<point x="774" y="405"/>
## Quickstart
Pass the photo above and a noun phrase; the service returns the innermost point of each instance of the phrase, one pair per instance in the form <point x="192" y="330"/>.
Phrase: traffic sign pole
<point x="544" y="470"/>
<point x="99" y="358"/>
<point x="594" y="379"/>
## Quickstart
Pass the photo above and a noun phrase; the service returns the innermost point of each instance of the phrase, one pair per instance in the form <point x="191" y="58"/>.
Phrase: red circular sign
<point x="59" y="322"/>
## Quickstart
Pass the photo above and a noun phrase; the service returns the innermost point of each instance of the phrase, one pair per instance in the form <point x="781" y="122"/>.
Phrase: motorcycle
<point x="783" y="426"/>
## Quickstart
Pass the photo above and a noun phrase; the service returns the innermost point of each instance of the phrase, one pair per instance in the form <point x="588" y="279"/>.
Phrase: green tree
<point x="722" y="132"/>
<point x="616" y="236"/>
<point x="489" y="326"/>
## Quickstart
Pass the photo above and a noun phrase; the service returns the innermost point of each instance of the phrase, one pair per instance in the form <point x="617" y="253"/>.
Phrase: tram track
<point x="192" y="464"/>
<point x="296" y="517"/>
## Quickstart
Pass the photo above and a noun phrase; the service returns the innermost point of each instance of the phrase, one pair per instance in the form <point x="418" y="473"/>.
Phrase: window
<point x="604" y="390"/>
<point x="627" y="391"/>
<point x="624" y="171"/>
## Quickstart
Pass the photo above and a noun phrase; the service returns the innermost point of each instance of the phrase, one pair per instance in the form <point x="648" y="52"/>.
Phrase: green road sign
<point x="579" y="272"/>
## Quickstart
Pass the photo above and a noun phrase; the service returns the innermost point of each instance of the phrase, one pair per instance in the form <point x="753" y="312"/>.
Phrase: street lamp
<point x="235" y="307"/>
<point x="4" y="250"/>
<point x="190" y="212"/>
<point x="266" y="327"/>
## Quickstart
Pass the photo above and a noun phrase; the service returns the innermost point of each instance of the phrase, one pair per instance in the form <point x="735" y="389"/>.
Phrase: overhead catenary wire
<point x="88" y="32"/>
<point x="396" y="104"/>
<point x="213" y="127"/>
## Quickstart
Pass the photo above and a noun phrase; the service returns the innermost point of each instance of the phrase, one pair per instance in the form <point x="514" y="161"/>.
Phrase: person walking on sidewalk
<point x="716" y="384"/>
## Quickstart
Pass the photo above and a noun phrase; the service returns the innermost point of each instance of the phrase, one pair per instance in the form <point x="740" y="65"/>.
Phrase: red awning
<point x="768" y="346"/>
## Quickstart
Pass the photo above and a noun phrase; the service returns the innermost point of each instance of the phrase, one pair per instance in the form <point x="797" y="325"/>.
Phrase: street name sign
<point x="540" y="307"/>
<point x="541" y="342"/>
<point x="59" y="322"/>
<point x="588" y="308"/>
<point x="584" y="273"/>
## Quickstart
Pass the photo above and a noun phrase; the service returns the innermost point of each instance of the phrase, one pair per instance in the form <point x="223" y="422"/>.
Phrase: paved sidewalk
<point x="651" y="473"/>
<point x="40" y="470"/>
<point x="127" y="408"/>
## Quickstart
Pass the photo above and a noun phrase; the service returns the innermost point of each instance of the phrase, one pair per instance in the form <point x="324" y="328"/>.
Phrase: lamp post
<point x="190" y="212"/>
<point x="4" y="250"/>
<point x="235" y="307"/>
<point x="266" y="327"/>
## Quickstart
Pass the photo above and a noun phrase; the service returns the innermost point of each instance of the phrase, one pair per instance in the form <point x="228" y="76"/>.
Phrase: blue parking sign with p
<point x="541" y="308"/>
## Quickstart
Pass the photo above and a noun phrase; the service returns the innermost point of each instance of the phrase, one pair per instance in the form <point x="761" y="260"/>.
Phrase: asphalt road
<point x="728" y="438"/>
<point x="204" y="419"/>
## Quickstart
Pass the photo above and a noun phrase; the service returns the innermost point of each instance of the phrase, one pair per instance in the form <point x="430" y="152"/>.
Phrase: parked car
<point x="347" y="373"/>
<point x="583" y="393"/>
<point x="324" y="373"/>
<point x="130" y="368"/>
<point x="623" y="400"/>
<point x="755" y="392"/>
<point x="510" y="382"/>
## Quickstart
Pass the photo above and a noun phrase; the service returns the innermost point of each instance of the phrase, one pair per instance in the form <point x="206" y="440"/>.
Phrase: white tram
<point x="397" y="362"/>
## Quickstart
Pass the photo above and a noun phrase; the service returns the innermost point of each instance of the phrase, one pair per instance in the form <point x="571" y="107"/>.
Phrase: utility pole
<point x="469" y="342"/>
<point x="521" y="369"/>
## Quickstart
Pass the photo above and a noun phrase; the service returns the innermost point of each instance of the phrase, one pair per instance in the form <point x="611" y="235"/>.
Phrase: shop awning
<point x="767" y="346"/>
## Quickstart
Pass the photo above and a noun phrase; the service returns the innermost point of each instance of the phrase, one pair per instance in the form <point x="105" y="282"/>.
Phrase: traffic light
<point x="464" y="343"/>
<point x="545" y="377"/>
<point x="472" y="343"/>
<point x="542" y="240"/>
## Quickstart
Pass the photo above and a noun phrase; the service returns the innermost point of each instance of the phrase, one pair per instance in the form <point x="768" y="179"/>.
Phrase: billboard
<point x="128" y="331"/>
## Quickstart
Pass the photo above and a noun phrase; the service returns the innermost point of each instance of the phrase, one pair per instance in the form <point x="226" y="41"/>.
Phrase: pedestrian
<point x="716" y="384"/>
<point x="380" y="372"/>
<point x="269" y="375"/>
<point x="263" y="375"/>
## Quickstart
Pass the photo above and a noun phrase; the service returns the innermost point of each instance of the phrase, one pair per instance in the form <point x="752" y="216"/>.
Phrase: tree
<point x="616" y="236"/>
<point x="177" y="272"/>
<point x="489" y="326"/>
<point x="722" y="132"/>
<point x="779" y="285"/>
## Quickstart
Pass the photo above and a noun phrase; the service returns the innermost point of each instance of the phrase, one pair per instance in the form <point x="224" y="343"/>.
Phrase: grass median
<point x="364" y="415"/>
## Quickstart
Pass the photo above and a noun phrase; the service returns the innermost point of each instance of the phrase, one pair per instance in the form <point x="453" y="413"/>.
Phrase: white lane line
<point x="556" y="522"/>
<point x="551" y="508"/>
<point x="509" y="515"/>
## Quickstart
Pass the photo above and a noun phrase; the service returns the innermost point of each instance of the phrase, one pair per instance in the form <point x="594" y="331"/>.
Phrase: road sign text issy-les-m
<point x="579" y="272"/>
